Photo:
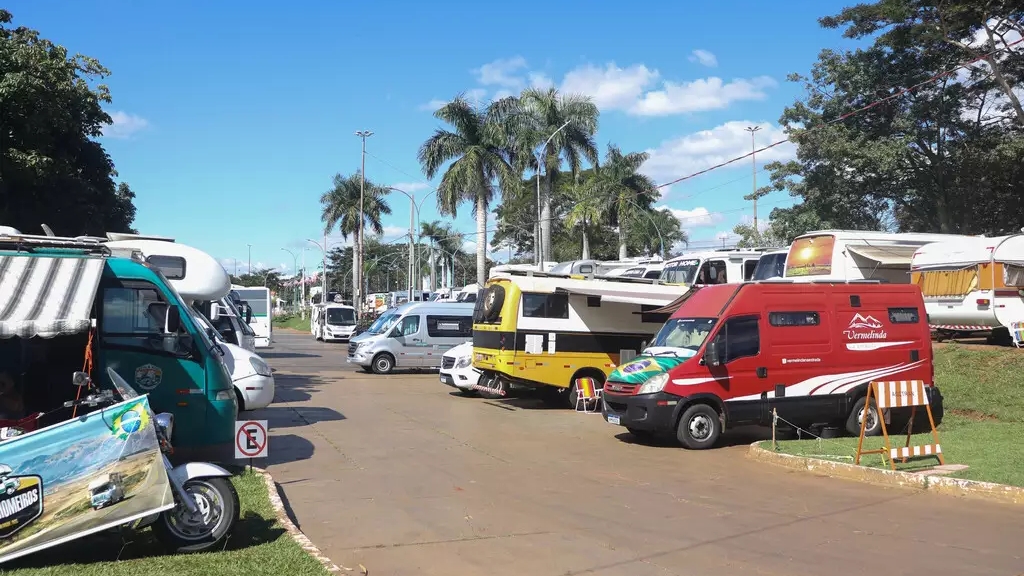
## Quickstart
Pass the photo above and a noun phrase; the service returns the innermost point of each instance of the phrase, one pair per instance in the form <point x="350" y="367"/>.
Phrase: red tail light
<point x="983" y="301"/>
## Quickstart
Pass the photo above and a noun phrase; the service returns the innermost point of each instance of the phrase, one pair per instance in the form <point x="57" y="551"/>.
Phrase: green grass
<point x="292" y="321"/>
<point x="259" y="545"/>
<point x="983" y="398"/>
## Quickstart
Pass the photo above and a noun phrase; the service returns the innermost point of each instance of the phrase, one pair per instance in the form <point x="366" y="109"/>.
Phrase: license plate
<point x="613" y="419"/>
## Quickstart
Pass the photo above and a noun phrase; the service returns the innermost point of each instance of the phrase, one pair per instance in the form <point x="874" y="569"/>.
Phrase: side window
<point x="132" y="311"/>
<point x="742" y="338"/>
<point x="586" y="269"/>
<point x="546" y="306"/>
<point x="410" y="325"/>
<point x="904" y="316"/>
<point x="794" y="318"/>
<point x="653" y="275"/>
<point x="748" y="269"/>
<point x="717" y="273"/>
<point x="449" y="326"/>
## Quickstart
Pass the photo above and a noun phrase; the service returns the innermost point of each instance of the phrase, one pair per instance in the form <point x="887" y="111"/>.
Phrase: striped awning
<point x="47" y="296"/>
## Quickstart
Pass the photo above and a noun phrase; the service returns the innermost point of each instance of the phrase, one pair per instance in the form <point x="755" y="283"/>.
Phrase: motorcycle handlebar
<point x="102" y="397"/>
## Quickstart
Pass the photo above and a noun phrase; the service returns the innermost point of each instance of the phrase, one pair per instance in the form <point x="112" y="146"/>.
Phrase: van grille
<point x="447" y="362"/>
<point x="352" y="348"/>
<point x="621" y="388"/>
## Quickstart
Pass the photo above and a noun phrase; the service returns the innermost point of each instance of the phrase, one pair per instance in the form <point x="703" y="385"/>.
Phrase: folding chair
<point x="1017" y="333"/>
<point x="587" y="392"/>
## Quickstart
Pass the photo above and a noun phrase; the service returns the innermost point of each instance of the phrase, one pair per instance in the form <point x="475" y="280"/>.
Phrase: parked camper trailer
<point x="650" y="271"/>
<point x="544" y="331"/>
<point x="972" y="284"/>
<point x="843" y="255"/>
<point x="728" y="266"/>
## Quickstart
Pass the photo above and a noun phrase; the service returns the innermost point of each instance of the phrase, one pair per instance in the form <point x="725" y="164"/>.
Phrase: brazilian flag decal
<point x="640" y="369"/>
<point x="130" y="420"/>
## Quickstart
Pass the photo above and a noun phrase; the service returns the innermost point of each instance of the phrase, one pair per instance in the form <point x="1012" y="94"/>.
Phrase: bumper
<point x="337" y="336"/>
<point x="360" y="359"/>
<point x="461" y="378"/>
<point x="646" y="412"/>
<point x="256" y="390"/>
<point x="262" y="342"/>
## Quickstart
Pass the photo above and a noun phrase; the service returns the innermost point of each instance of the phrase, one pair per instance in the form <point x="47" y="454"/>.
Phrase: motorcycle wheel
<point x="183" y="532"/>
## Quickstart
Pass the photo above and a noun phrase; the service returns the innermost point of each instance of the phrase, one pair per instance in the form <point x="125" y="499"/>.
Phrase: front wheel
<point x="699" y="427"/>
<point x="383" y="364"/>
<point x="216" y="514"/>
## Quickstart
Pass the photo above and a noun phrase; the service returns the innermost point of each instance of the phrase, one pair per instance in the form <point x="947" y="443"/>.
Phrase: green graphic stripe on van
<point x="641" y="369"/>
<point x="579" y="342"/>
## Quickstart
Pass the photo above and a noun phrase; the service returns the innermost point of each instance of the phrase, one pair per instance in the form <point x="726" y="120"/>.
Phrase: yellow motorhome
<point x="546" y="331"/>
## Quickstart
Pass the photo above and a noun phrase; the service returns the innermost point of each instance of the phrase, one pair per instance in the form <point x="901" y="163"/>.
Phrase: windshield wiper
<point x="666" y="353"/>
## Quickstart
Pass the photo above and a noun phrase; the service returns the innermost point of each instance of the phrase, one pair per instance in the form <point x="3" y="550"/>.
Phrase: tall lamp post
<point x="753" y="173"/>
<point x="295" y="264"/>
<point x="540" y="225"/>
<point x="357" y="250"/>
<point x="249" y="269"/>
<point x="323" y="250"/>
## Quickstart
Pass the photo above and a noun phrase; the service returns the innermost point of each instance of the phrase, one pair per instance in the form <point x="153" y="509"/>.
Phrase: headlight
<point x="260" y="366"/>
<point x="362" y="345"/>
<point x="655" y="384"/>
<point x="464" y="362"/>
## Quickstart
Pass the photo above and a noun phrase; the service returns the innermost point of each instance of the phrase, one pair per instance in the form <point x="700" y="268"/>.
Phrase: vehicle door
<point x="741" y="372"/>
<point x="446" y="331"/>
<point x="410" y="345"/>
<point x="132" y="342"/>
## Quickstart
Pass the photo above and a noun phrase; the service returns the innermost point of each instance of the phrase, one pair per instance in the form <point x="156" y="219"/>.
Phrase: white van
<point x="333" y="322"/>
<point x="772" y="264"/>
<point x="457" y="368"/>
<point x="727" y="266"/>
<point x="651" y="271"/>
<point x="414" y="335"/>
<point x="251" y="376"/>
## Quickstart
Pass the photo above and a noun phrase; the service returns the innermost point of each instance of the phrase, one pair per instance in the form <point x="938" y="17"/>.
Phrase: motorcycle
<point x="49" y="477"/>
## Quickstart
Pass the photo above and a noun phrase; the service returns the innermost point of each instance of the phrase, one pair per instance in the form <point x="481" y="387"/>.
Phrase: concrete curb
<point x="293" y="530"/>
<point x="933" y="483"/>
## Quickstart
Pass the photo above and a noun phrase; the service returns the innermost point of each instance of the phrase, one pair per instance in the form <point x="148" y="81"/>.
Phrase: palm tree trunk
<point x="356" y="266"/>
<point x="545" y="217"/>
<point x="622" y="240"/>
<point x="481" y="238"/>
<point x="586" y="243"/>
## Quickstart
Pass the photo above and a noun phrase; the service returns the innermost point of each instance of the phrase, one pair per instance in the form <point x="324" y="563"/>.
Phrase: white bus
<point x="257" y="299"/>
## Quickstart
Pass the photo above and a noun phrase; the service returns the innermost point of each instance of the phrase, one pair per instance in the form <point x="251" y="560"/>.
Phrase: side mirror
<point x="248" y="315"/>
<point x="214" y="311"/>
<point x="172" y="320"/>
<point x="711" y="354"/>
<point x="81" y="379"/>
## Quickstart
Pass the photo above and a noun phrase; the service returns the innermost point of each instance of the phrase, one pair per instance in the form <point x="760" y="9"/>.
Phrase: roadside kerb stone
<point x="293" y="530"/>
<point x="934" y="483"/>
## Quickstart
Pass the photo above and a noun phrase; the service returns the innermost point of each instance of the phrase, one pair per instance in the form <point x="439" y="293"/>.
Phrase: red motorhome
<point x="732" y="353"/>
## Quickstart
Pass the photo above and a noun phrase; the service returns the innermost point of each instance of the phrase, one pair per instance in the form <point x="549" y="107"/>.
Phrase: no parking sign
<point x="250" y="439"/>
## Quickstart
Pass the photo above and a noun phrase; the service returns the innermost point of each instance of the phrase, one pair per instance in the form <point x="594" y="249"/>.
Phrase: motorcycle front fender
<point x="189" y="470"/>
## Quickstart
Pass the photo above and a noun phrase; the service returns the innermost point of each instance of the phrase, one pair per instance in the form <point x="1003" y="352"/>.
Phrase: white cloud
<point x="611" y="87"/>
<point x="704" y="58"/>
<point x="501" y="72"/>
<point x="395" y="231"/>
<point x="124" y="125"/>
<point x="433" y="105"/>
<point x="696" y="218"/>
<point x="701" y="95"/>
<point x="411" y="187"/>
<point x="704" y="149"/>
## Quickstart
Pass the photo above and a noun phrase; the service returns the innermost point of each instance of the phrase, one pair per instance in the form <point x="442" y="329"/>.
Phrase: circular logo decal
<point x="636" y="366"/>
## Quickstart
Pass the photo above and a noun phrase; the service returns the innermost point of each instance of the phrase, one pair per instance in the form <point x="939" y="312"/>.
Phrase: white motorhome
<point x="772" y="264"/>
<point x="259" y="313"/>
<point x="845" y="255"/>
<point x="728" y="266"/>
<point x="504" y="268"/>
<point x="650" y="271"/>
<point x="334" y="322"/>
<point x="200" y="280"/>
<point x="972" y="284"/>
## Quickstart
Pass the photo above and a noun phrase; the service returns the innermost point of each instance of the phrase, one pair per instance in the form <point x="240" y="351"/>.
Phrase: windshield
<point x="205" y="326"/>
<point x="770" y="266"/>
<point x="680" y="271"/>
<point x="684" y="333"/>
<point x="234" y="311"/>
<point x="634" y="273"/>
<point x="383" y="324"/>
<point x="181" y="306"/>
<point x="341" y="316"/>
<point x="256" y="299"/>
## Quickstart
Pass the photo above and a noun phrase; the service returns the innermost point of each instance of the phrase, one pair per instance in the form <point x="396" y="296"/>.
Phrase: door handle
<point x="762" y="372"/>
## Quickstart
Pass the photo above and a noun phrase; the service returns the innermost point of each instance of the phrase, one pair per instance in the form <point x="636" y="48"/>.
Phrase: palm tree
<point x="479" y="158"/>
<point x="587" y="207"/>
<point x="573" y="120"/>
<point x="433" y="231"/>
<point x="449" y="245"/>
<point x="625" y="188"/>
<point x="341" y="208"/>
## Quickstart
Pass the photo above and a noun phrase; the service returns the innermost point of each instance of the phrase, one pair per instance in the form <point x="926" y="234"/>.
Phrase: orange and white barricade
<point x="899" y="394"/>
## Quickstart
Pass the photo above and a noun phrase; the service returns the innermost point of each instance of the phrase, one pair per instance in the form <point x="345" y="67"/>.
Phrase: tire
<point x="494" y="297"/>
<point x="853" y="420"/>
<point x="383" y="363"/>
<point x="183" y="533"/>
<point x="241" y="401"/>
<point x="699" y="427"/>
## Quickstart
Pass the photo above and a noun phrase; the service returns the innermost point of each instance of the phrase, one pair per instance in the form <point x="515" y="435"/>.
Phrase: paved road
<point x="396" y="473"/>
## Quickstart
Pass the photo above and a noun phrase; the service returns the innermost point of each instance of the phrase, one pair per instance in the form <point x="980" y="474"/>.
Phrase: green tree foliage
<point x="946" y="156"/>
<point x="52" y="170"/>
<point x="340" y="207"/>
<point x="260" y="277"/>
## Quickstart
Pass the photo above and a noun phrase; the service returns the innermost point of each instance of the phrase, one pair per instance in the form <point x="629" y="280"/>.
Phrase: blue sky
<point x="232" y="117"/>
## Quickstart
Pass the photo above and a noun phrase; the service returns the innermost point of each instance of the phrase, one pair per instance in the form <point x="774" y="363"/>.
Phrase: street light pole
<point x="539" y="239"/>
<point x="295" y="271"/>
<point x="357" y="250"/>
<point x="249" y="269"/>
<point x="414" y="220"/>
<point x="753" y="173"/>
<point x="323" y="250"/>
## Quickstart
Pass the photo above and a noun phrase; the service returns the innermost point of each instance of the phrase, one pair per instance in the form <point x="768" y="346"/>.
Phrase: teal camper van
<point x="66" y="303"/>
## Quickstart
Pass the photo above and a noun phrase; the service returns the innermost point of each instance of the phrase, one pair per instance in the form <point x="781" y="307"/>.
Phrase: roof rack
<point x="32" y="242"/>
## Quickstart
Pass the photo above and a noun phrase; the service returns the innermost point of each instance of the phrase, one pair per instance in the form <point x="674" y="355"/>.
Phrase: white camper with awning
<point x="846" y="255"/>
<point x="972" y="284"/>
